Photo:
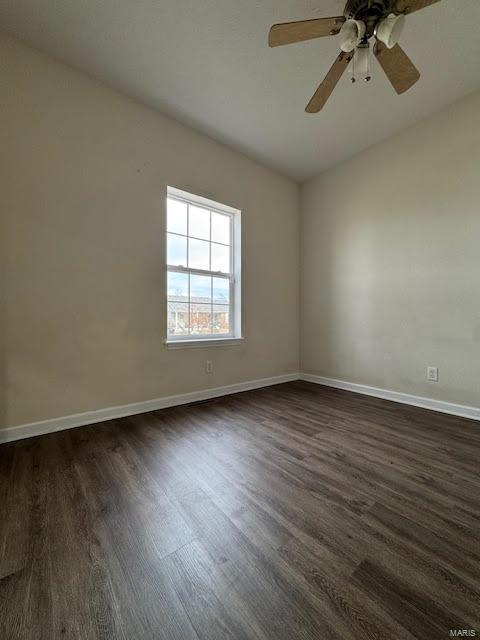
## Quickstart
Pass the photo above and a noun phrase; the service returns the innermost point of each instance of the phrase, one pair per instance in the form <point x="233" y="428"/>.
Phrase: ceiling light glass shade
<point x="351" y="34"/>
<point x="361" y="63"/>
<point x="390" y="30"/>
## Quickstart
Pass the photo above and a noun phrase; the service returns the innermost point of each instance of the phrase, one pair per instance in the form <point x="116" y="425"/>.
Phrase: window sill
<point x="194" y="344"/>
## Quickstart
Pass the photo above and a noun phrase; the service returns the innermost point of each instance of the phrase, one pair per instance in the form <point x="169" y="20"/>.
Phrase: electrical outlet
<point x="209" y="366"/>
<point x="432" y="374"/>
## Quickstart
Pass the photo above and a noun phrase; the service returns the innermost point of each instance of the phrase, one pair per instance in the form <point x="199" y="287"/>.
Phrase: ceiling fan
<point x="362" y="20"/>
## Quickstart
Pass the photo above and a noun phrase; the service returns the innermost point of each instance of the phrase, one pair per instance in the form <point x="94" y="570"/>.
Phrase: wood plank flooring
<point x="292" y="512"/>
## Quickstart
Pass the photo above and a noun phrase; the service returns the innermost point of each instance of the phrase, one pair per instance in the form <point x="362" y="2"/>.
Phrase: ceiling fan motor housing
<point x="359" y="9"/>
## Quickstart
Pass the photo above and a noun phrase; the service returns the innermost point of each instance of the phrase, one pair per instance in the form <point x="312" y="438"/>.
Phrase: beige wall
<point x="83" y="179"/>
<point x="390" y="246"/>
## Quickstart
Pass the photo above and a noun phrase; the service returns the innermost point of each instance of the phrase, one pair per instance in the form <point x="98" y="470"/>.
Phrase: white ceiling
<point x="207" y="63"/>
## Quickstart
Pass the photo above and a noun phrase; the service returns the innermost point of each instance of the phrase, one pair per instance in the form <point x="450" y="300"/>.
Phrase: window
<point x="203" y="269"/>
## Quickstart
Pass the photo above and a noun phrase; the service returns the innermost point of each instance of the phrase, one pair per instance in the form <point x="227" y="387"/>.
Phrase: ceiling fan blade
<point x="329" y="83"/>
<point x="398" y="67"/>
<point x="409" y="6"/>
<point x="290" y="32"/>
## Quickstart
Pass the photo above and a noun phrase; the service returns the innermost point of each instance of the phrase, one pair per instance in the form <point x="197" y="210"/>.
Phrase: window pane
<point x="220" y="258"/>
<point x="198" y="254"/>
<point x="199" y="222"/>
<point x="200" y="288"/>
<point x="200" y="319"/>
<point x="177" y="319"/>
<point x="221" y="290"/>
<point x="220" y="228"/>
<point x="177" y="286"/>
<point x="176" y="216"/>
<point x="176" y="251"/>
<point x="221" y="320"/>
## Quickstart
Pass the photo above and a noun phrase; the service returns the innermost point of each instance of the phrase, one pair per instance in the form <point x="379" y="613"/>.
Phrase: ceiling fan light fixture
<point x="351" y="34"/>
<point x="390" y="30"/>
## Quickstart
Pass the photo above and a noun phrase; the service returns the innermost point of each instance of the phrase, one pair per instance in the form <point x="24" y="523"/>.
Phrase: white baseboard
<point x="101" y="415"/>
<point x="417" y="401"/>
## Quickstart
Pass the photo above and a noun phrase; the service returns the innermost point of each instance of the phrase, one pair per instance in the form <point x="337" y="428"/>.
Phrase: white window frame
<point x="235" y="304"/>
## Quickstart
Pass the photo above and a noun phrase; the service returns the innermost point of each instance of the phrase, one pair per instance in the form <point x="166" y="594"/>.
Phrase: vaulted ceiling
<point x="207" y="64"/>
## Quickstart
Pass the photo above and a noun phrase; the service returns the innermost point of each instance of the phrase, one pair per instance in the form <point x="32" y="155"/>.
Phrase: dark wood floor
<point x="290" y="512"/>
